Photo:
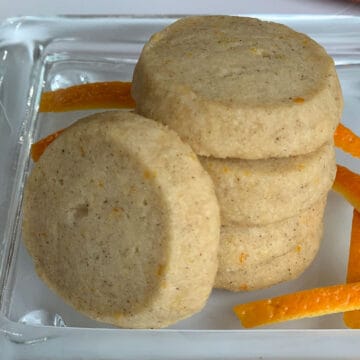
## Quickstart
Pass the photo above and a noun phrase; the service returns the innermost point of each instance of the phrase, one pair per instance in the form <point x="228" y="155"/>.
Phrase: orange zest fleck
<point x="38" y="148"/>
<point x="244" y="287"/>
<point x="242" y="257"/>
<point x="352" y="318"/>
<point x="347" y="183"/>
<point x="298" y="100"/>
<point x="99" y="95"/>
<point x="298" y="305"/>
<point x="347" y="141"/>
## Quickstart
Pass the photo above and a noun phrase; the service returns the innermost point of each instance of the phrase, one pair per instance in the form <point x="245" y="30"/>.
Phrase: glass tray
<point x="39" y="54"/>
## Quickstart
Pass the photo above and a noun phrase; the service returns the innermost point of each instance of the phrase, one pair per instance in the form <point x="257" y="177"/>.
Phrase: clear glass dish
<point x="39" y="54"/>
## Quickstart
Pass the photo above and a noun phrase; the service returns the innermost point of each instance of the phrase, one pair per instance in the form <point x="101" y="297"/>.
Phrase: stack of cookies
<point x="119" y="214"/>
<point x="258" y="103"/>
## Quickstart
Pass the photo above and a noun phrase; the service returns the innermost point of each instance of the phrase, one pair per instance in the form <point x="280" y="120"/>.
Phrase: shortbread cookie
<point x="252" y="258"/>
<point x="259" y="192"/>
<point x="239" y="87"/>
<point x="123" y="222"/>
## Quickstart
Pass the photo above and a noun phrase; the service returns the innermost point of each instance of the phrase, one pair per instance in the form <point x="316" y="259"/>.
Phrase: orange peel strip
<point x="352" y="318"/>
<point x="38" y="148"/>
<point x="347" y="141"/>
<point x="298" y="305"/>
<point x="347" y="183"/>
<point x="100" y="95"/>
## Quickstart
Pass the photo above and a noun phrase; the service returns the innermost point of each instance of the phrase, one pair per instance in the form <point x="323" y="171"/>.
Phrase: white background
<point x="10" y="8"/>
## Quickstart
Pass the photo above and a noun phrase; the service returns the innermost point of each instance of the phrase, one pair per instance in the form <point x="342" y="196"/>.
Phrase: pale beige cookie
<point x="259" y="192"/>
<point x="253" y="258"/>
<point x="123" y="222"/>
<point x="239" y="87"/>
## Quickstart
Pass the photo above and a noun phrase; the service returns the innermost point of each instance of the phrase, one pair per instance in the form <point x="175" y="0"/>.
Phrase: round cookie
<point x="239" y="87"/>
<point x="259" y="192"/>
<point x="253" y="258"/>
<point x="122" y="221"/>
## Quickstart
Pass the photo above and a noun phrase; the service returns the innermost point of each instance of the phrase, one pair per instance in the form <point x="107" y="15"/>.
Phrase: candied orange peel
<point x="99" y="95"/>
<point x="298" y="305"/>
<point x="352" y="318"/>
<point x="347" y="183"/>
<point x="38" y="148"/>
<point x="347" y="141"/>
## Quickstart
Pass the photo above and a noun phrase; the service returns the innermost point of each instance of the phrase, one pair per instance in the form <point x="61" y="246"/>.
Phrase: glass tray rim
<point x="10" y="21"/>
<point x="12" y="329"/>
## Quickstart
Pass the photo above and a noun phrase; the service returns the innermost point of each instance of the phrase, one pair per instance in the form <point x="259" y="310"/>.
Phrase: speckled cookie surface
<point x="239" y="87"/>
<point x="257" y="257"/>
<point x="258" y="192"/>
<point x="122" y="221"/>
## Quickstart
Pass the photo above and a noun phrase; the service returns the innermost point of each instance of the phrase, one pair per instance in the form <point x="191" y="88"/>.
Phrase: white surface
<point x="10" y="8"/>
